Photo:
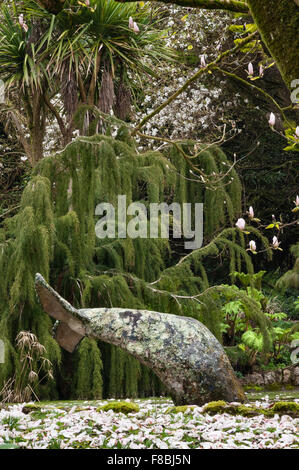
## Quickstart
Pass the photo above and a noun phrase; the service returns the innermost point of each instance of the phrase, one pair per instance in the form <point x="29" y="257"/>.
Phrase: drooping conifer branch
<point x="45" y="236"/>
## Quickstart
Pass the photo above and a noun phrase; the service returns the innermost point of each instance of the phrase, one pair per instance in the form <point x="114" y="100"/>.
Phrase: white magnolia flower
<point x="240" y="224"/>
<point x="252" y="245"/>
<point x="272" y="120"/>
<point x="250" y="69"/>
<point x="251" y="212"/>
<point x="131" y="23"/>
<point x="275" y="243"/>
<point x="22" y="22"/>
<point x="203" y="61"/>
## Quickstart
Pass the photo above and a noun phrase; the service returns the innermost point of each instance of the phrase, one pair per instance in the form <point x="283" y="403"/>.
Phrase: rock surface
<point x="180" y="350"/>
<point x="287" y="376"/>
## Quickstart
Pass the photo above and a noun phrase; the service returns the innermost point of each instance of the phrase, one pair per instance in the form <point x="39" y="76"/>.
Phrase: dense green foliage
<point x="84" y="58"/>
<point x="54" y="233"/>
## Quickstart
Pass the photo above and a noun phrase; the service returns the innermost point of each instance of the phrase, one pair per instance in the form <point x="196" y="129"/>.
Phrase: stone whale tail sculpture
<point x="182" y="352"/>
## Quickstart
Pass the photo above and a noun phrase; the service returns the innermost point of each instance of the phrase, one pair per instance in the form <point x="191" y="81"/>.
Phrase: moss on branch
<point x="228" y="5"/>
<point x="278" y="24"/>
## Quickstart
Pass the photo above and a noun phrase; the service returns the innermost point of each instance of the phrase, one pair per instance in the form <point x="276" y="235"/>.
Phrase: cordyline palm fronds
<point x="97" y="41"/>
<point x="84" y="54"/>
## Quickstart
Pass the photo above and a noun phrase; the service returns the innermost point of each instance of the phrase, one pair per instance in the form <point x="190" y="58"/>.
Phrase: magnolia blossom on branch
<point x="241" y="224"/>
<point x="22" y="23"/>
<point x="252" y="246"/>
<point x="272" y="120"/>
<point x="275" y="243"/>
<point x="250" y="69"/>
<point x="251" y="212"/>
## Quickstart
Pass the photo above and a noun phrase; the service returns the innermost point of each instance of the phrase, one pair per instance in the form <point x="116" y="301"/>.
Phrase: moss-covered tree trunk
<point x="278" y="23"/>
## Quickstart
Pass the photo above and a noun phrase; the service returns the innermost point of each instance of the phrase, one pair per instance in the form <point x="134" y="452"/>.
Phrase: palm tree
<point x="54" y="60"/>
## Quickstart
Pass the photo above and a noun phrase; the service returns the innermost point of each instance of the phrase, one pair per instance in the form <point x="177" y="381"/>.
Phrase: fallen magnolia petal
<point x="169" y="431"/>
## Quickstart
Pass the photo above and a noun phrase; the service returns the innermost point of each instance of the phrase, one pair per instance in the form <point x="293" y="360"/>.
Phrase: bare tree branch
<point x="194" y="77"/>
<point x="228" y="5"/>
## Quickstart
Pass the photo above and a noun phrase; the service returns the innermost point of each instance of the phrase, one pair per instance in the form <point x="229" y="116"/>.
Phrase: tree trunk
<point x="52" y="6"/>
<point x="278" y="24"/>
<point x="37" y="127"/>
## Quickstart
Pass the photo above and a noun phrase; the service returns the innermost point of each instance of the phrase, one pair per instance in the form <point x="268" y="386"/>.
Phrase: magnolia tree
<point x="270" y="17"/>
<point x="275" y="225"/>
<point x="271" y="20"/>
<point x="278" y="27"/>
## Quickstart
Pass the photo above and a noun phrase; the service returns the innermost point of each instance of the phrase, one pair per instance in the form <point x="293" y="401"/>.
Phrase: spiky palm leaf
<point x="81" y="32"/>
<point x="73" y="53"/>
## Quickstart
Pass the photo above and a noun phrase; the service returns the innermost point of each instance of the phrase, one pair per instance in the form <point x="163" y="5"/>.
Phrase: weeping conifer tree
<point x="54" y="234"/>
<point x="291" y="278"/>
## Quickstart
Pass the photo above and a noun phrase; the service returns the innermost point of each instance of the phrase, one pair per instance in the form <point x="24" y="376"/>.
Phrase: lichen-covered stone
<point x="120" y="407"/>
<point x="278" y="376"/>
<point x="269" y="378"/>
<point x="256" y="379"/>
<point x="180" y="350"/>
<point x="286" y="376"/>
<point x="296" y="376"/>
